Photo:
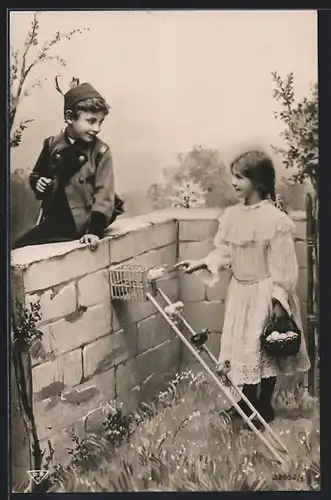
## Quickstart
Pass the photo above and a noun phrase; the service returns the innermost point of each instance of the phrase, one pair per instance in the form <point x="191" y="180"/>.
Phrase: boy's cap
<point x="80" y="93"/>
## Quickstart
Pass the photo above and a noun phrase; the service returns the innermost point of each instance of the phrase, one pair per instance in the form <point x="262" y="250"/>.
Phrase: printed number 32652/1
<point x="287" y="477"/>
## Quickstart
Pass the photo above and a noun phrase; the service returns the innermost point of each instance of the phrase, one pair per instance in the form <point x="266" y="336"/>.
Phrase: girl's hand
<point x="191" y="266"/>
<point x="43" y="183"/>
<point x="90" y="239"/>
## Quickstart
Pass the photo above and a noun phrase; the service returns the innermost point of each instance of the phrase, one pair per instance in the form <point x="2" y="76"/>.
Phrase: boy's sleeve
<point x="40" y="169"/>
<point x="104" y="195"/>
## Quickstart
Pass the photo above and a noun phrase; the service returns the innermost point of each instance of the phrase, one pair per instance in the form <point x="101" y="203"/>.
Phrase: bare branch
<point x="21" y="71"/>
<point x="16" y="138"/>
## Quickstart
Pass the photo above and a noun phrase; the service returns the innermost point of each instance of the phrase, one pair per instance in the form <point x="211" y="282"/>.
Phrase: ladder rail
<point x="216" y="379"/>
<point x="237" y="389"/>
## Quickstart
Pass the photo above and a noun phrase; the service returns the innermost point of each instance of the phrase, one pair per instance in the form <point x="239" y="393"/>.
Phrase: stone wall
<point x="97" y="350"/>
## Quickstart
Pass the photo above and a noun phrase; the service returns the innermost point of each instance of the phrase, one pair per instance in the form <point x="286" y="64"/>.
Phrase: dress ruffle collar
<point x="254" y="206"/>
<point x="255" y="226"/>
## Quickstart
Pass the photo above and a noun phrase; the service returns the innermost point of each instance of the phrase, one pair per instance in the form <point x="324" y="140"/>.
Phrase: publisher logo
<point x="38" y="476"/>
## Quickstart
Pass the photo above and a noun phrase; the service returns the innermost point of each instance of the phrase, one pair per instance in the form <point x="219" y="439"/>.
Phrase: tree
<point x="22" y="66"/>
<point x="200" y="178"/>
<point x="292" y="193"/>
<point x="301" y="132"/>
<point x="301" y="153"/>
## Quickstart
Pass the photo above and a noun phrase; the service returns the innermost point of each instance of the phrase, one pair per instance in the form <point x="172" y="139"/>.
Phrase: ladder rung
<point x="252" y="416"/>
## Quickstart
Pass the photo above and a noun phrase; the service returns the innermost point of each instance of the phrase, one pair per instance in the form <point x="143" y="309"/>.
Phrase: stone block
<point x="298" y="215"/>
<point x="153" y="331"/>
<point x="56" y="302"/>
<point x="302" y="283"/>
<point x="73" y="403"/>
<point x="161" y="361"/>
<point x="202" y="315"/>
<point x="197" y="230"/>
<point x="129" y="375"/>
<point x="300" y="229"/>
<point x="125" y="313"/>
<point x="218" y="292"/>
<point x="56" y="269"/>
<point x="42" y="350"/>
<point x="94" y="288"/>
<point x="195" y="250"/>
<point x="148" y="237"/>
<point x="158" y="216"/>
<point x="191" y="288"/>
<point x="301" y="251"/>
<point x="65" y="370"/>
<point x="81" y="328"/>
<point x="162" y="256"/>
<point x="108" y="351"/>
<point x="126" y="225"/>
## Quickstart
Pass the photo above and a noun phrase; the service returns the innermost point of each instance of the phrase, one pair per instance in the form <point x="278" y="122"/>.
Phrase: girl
<point x="255" y="241"/>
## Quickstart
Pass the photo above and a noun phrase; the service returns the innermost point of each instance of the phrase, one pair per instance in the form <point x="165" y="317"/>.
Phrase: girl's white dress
<point x="256" y="242"/>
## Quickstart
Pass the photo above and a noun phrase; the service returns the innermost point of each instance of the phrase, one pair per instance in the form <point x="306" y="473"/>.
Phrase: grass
<point x="182" y="442"/>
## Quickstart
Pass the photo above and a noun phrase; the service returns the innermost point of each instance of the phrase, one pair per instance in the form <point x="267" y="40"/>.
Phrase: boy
<point x="73" y="176"/>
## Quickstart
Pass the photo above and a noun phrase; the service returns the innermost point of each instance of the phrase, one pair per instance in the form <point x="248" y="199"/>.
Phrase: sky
<point x="173" y="79"/>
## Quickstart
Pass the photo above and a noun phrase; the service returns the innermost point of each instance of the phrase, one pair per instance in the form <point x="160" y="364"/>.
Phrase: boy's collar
<point x="65" y="141"/>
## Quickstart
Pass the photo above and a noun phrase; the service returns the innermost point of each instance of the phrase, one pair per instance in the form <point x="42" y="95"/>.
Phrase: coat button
<point x="81" y="159"/>
<point x="81" y="180"/>
<point x="57" y="157"/>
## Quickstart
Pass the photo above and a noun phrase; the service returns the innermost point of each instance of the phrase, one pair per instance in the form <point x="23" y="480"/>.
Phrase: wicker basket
<point x="286" y="343"/>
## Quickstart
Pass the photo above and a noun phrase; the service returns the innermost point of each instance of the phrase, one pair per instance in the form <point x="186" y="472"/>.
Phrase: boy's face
<point x="86" y="126"/>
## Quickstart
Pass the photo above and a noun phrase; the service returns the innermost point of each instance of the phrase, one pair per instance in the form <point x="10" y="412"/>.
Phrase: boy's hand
<point x="90" y="239"/>
<point x="43" y="183"/>
<point x="190" y="266"/>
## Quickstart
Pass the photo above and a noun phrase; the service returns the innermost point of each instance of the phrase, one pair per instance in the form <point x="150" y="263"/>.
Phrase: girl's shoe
<point x="268" y="413"/>
<point x="234" y="414"/>
<point x="258" y="424"/>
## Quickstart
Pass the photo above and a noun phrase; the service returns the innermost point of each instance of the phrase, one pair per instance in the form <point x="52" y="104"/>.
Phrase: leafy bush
<point x="301" y="129"/>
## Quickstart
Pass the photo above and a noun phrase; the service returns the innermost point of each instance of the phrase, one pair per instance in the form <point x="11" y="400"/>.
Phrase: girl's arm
<point x="283" y="267"/>
<point x="220" y="257"/>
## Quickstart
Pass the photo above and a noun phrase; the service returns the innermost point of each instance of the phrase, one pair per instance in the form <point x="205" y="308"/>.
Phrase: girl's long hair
<point x="259" y="169"/>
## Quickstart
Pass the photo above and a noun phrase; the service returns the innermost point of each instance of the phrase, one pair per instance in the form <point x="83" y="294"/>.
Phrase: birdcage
<point x="130" y="281"/>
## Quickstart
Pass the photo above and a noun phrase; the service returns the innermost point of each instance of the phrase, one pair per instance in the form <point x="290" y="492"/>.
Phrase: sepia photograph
<point x="164" y="250"/>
